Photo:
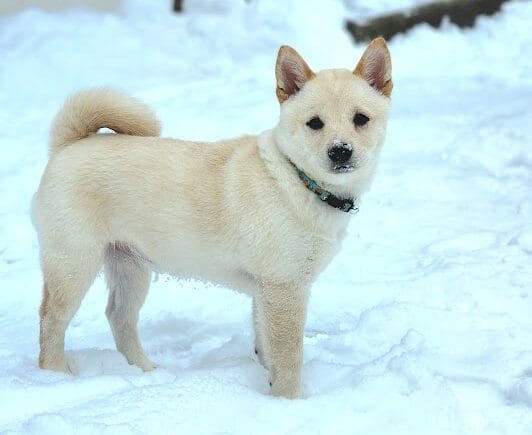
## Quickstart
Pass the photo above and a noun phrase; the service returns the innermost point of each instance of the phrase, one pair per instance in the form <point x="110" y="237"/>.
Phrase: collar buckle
<point x="354" y="209"/>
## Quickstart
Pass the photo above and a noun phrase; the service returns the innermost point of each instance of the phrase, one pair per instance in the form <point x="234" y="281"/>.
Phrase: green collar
<point x="346" y="205"/>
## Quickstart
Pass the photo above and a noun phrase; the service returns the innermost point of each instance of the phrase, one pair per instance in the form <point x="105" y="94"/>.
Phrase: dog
<point x="260" y="214"/>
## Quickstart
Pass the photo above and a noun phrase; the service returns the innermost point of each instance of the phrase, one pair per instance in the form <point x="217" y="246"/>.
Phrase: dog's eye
<point x="360" y="119"/>
<point x="315" y="123"/>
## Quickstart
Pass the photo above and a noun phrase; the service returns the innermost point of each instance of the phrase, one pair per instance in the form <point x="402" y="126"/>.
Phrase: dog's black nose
<point x="340" y="152"/>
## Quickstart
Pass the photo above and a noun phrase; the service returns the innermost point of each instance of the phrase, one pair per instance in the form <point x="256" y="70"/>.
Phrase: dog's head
<point x="333" y="122"/>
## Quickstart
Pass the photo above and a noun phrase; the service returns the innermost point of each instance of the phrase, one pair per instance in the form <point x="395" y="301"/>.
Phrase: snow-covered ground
<point x="365" y="9"/>
<point x="422" y="324"/>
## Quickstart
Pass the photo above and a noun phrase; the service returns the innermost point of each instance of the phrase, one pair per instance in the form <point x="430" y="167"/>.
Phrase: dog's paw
<point x="143" y="363"/>
<point x="56" y="366"/>
<point x="289" y="390"/>
<point x="149" y="366"/>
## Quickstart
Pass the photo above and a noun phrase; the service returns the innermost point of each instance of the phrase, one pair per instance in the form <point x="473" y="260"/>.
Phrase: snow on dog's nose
<point x="340" y="153"/>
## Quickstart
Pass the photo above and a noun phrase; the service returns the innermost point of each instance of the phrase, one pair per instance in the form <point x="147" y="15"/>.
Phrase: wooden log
<point x="463" y="13"/>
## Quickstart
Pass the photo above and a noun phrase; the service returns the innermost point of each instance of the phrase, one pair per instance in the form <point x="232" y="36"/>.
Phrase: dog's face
<point x="333" y="122"/>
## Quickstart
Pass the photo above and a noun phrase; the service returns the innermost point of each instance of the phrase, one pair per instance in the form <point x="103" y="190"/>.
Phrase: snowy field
<point x="423" y="322"/>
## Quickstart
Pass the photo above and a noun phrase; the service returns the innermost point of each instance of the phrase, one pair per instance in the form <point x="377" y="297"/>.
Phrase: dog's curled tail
<point x="86" y="112"/>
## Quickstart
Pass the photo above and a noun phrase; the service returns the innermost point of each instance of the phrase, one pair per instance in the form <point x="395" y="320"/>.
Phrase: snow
<point x="422" y="323"/>
<point x="362" y="10"/>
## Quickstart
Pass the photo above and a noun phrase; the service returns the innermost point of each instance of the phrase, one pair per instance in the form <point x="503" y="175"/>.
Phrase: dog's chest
<point x="305" y="254"/>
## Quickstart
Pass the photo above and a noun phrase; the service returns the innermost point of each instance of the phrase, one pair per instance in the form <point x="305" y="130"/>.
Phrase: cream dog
<point x="262" y="214"/>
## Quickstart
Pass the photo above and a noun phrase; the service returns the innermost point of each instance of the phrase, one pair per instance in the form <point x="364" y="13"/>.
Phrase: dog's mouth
<point x="343" y="168"/>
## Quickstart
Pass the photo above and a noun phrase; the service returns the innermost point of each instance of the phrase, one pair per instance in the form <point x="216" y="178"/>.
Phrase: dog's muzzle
<point x="340" y="156"/>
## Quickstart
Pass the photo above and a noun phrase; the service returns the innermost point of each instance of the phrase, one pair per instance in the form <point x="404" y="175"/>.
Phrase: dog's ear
<point x="291" y="72"/>
<point x="375" y="66"/>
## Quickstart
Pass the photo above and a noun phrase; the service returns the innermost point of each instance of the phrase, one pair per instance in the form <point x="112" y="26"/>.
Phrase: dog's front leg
<point x="280" y="312"/>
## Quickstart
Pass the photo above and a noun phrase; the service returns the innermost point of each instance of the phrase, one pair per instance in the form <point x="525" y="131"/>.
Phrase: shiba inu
<point x="261" y="214"/>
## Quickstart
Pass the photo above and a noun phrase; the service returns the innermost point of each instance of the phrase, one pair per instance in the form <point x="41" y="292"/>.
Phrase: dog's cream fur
<point x="233" y="212"/>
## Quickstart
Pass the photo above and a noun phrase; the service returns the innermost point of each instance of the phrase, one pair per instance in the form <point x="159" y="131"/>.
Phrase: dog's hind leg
<point x="68" y="273"/>
<point x="128" y="279"/>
